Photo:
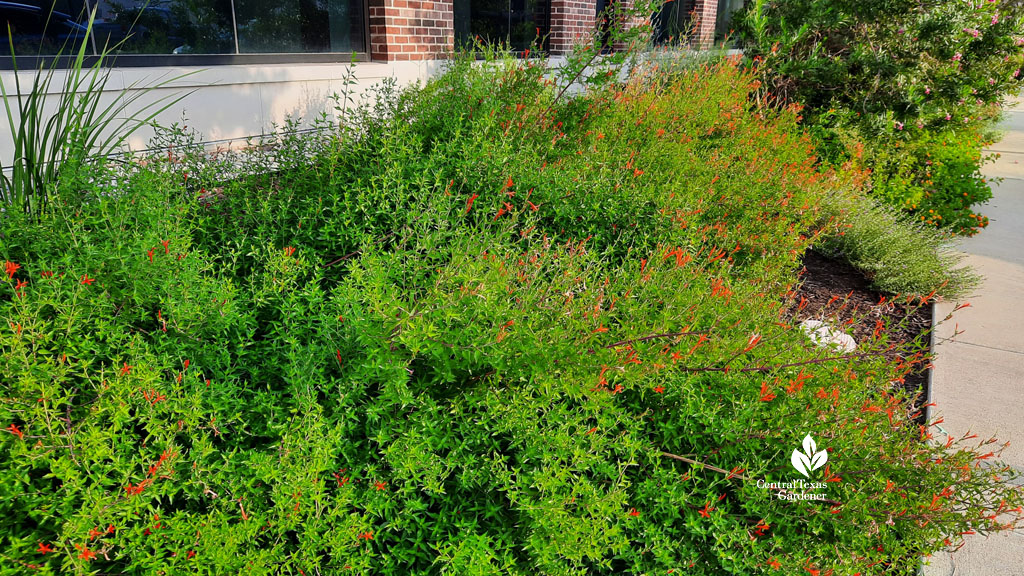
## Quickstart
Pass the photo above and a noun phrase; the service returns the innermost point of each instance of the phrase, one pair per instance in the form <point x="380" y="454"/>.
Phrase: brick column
<point x="705" y="12"/>
<point x="572" y="21"/>
<point x="630" y="20"/>
<point x="411" y="29"/>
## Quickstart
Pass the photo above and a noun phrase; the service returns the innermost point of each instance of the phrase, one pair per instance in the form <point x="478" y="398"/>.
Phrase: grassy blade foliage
<point x="65" y="117"/>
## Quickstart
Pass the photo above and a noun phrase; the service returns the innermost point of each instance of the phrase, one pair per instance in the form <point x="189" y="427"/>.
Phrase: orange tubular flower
<point x="10" y="268"/>
<point x="754" y="340"/>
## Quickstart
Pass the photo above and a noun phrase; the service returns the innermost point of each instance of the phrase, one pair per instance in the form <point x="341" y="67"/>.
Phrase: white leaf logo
<point x="808" y="461"/>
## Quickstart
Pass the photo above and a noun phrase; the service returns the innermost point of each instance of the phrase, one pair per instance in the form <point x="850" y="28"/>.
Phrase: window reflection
<point x="674" y="22"/>
<point x="517" y="23"/>
<point x="166" y="26"/>
<point x="305" y="26"/>
<point x="42" y="27"/>
<point x="188" y="26"/>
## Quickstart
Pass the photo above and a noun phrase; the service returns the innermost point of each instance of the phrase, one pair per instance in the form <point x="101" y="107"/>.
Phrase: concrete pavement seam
<point x="951" y="341"/>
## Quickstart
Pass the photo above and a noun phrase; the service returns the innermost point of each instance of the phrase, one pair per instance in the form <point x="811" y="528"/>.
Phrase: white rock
<point x="825" y="336"/>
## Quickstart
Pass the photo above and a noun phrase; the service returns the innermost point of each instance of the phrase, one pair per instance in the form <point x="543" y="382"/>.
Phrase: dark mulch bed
<point x="838" y="293"/>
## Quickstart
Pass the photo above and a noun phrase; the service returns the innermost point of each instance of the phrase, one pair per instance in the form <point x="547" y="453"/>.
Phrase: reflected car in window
<point x="36" y="31"/>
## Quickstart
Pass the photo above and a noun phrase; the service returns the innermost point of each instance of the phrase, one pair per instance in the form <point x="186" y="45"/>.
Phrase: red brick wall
<point x="632" y="20"/>
<point x="424" y="29"/>
<point x="704" y="14"/>
<point x="411" y="29"/>
<point x="572" y="21"/>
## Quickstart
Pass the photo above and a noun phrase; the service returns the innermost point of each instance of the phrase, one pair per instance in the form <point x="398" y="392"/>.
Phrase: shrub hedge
<point x="910" y="89"/>
<point x="489" y="329"/>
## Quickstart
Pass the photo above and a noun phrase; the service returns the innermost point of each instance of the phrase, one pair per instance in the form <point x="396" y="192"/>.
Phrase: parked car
<point x="35" y="31"/>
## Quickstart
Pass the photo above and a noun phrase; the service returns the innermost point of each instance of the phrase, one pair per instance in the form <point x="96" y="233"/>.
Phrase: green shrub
<point x="935" y="177"/>
<point x="906" y="79"/>
<point x="495" y="331"/>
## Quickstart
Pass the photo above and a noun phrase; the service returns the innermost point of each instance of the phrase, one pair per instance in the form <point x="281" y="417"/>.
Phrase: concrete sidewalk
<point x="978" y="381"/>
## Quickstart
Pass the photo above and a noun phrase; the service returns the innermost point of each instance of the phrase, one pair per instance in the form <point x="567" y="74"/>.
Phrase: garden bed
<point x="548" y="341"/>
<point x="841" y="295"/>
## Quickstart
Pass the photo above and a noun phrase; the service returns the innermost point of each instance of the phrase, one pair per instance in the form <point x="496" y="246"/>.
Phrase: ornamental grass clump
<point x="63" y="119"/>
<point x="504" y="331"/>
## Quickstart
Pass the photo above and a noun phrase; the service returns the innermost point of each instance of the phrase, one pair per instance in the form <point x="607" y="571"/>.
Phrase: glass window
<point x="673" y="23"/>
<point x="517" y="23"/>
<point x="42" y="27"/>
<point x="303" y="26"/>
<point x="167" y="27"/>
<point x="727" y="13"/>
<point x="605" y="17"/>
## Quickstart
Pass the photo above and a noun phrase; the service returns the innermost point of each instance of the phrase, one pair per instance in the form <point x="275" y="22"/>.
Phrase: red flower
<point x="761" y="528"/>
<point x="754" y="340"/>
<point x="659" y="389"/>
<point x="166" y="243"/>
<point x="46" y="274"/>
<point x="10" y="268"/>
<point x="379" y="485"/>
<point x="150" y="254"/>
<point x="704" y="511"/>
<point x="19" y="286"/>
<point x="13" y="428"/>
<point x="633" y="512"/>
<point x="133" y="490"/>
<point x="125" y="369"/>
<point x="703" y="338"/>
<point x="469" y="203"/>
<point x="774" y="563"/>
<point x="502" y="210"/>
<point x="766" y="395"/>
<point x="288" y="251"/>
<point x="86" y="553"/>
<point x="44" y="548"/>
<point x="191" y="554"/>
<point x="365" y="536"/>
<point x="86" y="280"/>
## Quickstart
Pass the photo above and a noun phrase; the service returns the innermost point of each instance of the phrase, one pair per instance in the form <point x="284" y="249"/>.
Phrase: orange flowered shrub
<point x="494" y="330"/>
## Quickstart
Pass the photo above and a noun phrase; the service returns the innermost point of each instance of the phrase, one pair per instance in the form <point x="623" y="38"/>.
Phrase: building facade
<point x="254" y="63"/>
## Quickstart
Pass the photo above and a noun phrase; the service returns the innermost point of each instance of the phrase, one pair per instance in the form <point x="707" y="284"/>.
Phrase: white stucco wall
<point x="229" y="103"/>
